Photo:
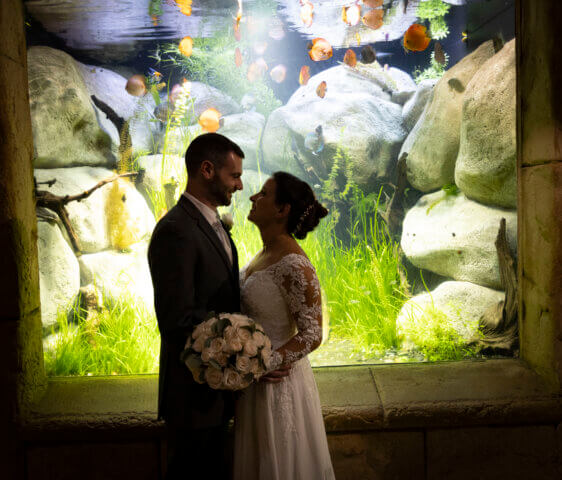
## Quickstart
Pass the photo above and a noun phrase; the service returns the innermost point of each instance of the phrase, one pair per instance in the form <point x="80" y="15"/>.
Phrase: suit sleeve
<point x="173" y="262"/>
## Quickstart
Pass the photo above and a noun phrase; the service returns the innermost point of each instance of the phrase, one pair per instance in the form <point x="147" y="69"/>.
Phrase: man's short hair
<point x="213" y="147"/>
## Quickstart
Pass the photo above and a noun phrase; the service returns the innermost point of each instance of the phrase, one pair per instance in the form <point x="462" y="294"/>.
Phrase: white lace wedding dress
<point x="279" y="429"/>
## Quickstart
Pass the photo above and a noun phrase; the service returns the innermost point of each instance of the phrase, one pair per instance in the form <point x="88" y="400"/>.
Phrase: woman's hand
<point x="276" y="376"/>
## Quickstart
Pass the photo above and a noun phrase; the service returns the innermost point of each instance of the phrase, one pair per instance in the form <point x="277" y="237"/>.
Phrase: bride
<point x="279" y="429"/>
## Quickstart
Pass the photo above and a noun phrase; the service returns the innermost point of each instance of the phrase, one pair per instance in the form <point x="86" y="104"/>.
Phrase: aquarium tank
<point x="400" y="115"/>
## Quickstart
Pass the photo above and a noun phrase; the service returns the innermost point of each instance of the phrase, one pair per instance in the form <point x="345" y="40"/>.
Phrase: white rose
<point x="201" y="330"/>
<point x="199" y="343"/>
<point x="250" y="348"/>
<point x="243" y="364"/>
<point x="259" y="338"/>
<point x="238" y="320"/>
<point x="244" y="334"/>
<point x="232" y="337"/>
<point x="213" y="376"/>
<point x="255" y="368"/>
<point x="206" y="355"/>
<point x="222" y="359"/>
<point x="232" y="379"/>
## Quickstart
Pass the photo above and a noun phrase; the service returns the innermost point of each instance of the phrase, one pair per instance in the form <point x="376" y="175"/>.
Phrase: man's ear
<point x="207" y="169"/>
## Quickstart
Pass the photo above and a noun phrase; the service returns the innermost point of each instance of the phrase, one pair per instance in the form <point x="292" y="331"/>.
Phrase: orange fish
<point x="185" y="6"/>
<point x="321" y="89"/>
<point x="210" y="120"/>
<point x="415" y="38"/>
<point x="373" y="3"/>
<point x="319" y="49"/>
<point x="304" y="75"/>
<point x="307" y="13"/>
<point x="260" y="48"/>
<point x="351" y="15"/>
<point x="136" y="85"/>
<point x="237" y="57"/>
<point x="350" y="58"/>
<point x="278" y="73"/>
<point x="373" y="19"/>
<point x="256" y="70"/>
<point x="358" y="38"/>
<point x="186" y="46"/>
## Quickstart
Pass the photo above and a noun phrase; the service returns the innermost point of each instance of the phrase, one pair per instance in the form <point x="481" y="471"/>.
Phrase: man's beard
<point x="219" y="192"/>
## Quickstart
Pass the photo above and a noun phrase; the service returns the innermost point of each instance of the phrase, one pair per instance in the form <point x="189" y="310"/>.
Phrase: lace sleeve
<point x="300" y="288"/>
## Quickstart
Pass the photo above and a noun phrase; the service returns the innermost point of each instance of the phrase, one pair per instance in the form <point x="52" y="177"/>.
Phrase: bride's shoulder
<point x="294" y="260"/>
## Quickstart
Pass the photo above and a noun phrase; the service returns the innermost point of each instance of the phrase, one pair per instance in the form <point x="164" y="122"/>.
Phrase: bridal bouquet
<point x="227" y="351"/>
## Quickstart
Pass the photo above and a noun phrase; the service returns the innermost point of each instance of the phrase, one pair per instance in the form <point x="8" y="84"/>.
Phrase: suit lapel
<point x="211" y="236"/>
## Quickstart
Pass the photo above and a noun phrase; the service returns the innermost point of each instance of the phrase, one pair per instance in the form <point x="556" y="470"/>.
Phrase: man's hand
<point x="276" y="376"/>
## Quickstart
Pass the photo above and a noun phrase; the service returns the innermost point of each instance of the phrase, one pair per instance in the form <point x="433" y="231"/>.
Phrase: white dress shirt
<point x="212" y="216"/>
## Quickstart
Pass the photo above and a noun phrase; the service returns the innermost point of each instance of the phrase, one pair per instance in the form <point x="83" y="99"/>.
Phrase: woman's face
<point x="264" y="207"/>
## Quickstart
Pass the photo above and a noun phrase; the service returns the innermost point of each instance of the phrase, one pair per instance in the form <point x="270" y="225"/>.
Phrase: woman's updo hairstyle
<point x="306" y="211"/>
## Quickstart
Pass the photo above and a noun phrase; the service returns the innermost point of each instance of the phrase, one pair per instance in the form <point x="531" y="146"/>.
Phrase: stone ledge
<point x="361" y="398"/>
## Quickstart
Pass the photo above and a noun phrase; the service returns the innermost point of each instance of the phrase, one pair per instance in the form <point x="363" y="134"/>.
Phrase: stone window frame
<point x="374" y="397"/>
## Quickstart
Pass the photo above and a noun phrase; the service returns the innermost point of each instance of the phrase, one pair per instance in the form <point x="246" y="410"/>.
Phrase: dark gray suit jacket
<point x="192" y="276"/>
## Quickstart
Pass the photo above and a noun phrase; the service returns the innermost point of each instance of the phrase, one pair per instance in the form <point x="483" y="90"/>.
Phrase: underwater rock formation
<point x="357" y="117"/>
<point x="89" y="217"/>
<point x="120" y="274"/>
<point x="245" y="129"/>
<point x="59" y="273"/>
<point x="109" y="87"/>
<point x="413" y="108"/>
<point x="204" y="97"/>
<point x="486" y="165"/>
<point x="454" y="237"/>
<point x="433" y="144"/>
<point x="65" y="129"/>
<point x="458" y="304"/>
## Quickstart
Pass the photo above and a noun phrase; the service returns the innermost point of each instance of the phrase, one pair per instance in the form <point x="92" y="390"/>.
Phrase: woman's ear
<point x="284" y="211"/>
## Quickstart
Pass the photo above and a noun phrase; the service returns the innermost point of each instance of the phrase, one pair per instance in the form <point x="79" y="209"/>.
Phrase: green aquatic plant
<point x="450" y="190"/>
<point x="435" y="69"/>
<point x="125" y="340"/>
<point x="435" y="338"/>
<point x="212" y="62"/>
<point x="434" y="11"/>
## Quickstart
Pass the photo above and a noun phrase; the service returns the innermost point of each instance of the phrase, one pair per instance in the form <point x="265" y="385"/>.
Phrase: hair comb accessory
<point x="303" y="216"/>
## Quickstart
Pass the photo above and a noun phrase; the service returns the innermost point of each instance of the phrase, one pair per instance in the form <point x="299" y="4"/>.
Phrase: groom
<point x="194" y="268"/>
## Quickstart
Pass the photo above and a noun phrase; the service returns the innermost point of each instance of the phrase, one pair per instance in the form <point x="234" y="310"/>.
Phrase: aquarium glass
<point x="399" y="114"/>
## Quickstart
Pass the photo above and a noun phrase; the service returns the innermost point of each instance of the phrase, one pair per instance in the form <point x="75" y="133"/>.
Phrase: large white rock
<point x="433" y="145"/>
<point x="454" y="237"/>
<point x="108" y="86"/>
<point x="90" y="217"/>
<point x="245" y="129"/>
<point x="119" y="274"/>
<point x="357" y="117"/>
<point x="204" y="97"/>
<point x="413" y="108"/>
<point x="59" y="273"/>
<point x="458" y="304"/>
<point x="486" y="165"/>
<point x="65" y="128"/>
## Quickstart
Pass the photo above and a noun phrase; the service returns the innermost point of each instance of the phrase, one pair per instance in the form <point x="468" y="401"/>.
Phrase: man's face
<point x="226" y="180"/>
